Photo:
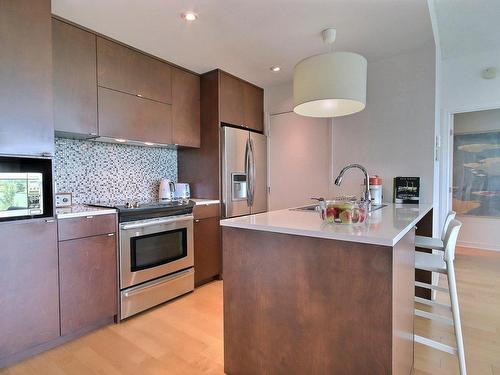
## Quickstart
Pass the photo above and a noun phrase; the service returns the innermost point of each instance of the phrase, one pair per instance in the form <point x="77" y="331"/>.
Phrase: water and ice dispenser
<point x="239" y="186"/>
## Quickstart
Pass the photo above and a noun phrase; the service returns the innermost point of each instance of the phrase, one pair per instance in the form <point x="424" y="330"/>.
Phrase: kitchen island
<point x="305" y="297"/>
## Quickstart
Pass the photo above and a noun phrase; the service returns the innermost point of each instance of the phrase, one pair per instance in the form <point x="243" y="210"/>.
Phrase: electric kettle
<point x="167" y="189"/>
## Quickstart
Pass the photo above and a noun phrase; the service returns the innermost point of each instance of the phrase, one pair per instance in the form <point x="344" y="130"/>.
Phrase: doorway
<point x="475" y="177"/>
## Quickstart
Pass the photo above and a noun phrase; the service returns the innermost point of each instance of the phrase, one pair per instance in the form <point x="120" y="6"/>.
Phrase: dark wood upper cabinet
<point x="200" y="167"/>
<point x="26" y="124"/>
<point x="139" y="97"/>
<point x="124" y="69"/>
<point x="75" y="87"/>
<point x="29" y="298"/>
<point x="241" y="103"/>
<point x="231" y="99"/>
<point x="130" y="117"/>
<point x="253" y="104"/>
<point x="224" y="99"/>
<point x="185" y="108"/>
<point x="88" y="281"/>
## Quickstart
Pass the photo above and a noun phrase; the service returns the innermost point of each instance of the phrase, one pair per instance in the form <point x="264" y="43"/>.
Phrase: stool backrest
<point x="451" y="215"/>
<point x="450" y="241"/>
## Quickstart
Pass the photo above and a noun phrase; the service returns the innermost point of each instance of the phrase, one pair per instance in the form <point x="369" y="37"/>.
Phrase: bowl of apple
<point x="343" y="212"/>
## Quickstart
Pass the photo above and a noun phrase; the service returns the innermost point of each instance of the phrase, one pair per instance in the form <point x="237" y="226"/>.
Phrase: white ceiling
<point x="246" y="37"/>
<point x="468" y="26"/>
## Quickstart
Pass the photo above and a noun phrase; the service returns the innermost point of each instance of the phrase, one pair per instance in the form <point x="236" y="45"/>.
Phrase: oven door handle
<point x="156" y="283"/>
<point x="156" y="222"/>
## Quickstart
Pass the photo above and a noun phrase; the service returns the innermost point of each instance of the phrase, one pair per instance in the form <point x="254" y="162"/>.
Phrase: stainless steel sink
<point x="376" y="207"/>
<point x="315" y="207"/>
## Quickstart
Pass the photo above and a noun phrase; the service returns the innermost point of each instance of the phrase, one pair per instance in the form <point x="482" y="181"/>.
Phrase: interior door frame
<point x="446" y="165"/>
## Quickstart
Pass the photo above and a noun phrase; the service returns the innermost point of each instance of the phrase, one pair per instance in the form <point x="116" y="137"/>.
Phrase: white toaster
<point x="182" y="191"/>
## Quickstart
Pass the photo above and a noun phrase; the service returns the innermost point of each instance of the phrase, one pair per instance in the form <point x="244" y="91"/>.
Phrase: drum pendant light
<point x="332" y="84"/>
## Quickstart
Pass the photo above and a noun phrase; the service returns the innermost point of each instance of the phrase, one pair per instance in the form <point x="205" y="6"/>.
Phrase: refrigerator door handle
<point x="252" y="171"/>
<point x="247" y="172"/>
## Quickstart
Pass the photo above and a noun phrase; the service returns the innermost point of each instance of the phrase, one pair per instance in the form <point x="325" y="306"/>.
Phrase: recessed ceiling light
<point x="275" y="68"/>
<point x="121" y="140"/>
<point x="189" y="16"/>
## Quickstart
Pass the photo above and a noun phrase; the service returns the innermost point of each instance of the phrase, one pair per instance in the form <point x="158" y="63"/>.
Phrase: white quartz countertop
<point x="385" y="226"/>
<point x="205" y="201"/>
<point x="81" y="210"/>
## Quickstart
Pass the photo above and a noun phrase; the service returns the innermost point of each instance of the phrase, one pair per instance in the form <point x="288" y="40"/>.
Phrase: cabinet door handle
<point x="49" y="220"/>
<point x="89" y="217"/>
<point x="197" y="221"/>
<point x="111" y="234"/>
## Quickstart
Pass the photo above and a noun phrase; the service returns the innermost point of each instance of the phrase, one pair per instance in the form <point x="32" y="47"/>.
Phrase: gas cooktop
<point x="133" y="211"/>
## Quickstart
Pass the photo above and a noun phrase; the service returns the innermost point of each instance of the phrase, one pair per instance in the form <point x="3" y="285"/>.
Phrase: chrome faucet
<point x="367" y="196"/>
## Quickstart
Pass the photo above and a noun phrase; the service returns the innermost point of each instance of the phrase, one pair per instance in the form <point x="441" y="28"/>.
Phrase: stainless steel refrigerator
<point x="244" y="172"/>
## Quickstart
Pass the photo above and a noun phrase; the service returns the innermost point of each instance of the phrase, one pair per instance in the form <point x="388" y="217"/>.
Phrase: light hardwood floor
<point x="185" y="336"/>
<point x="180" y="337"/>
<point x="478" y="282"/>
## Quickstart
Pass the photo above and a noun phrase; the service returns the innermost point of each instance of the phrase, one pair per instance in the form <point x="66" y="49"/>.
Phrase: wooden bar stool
<point x="443" y="263"/>
<point x="435" y="243"/>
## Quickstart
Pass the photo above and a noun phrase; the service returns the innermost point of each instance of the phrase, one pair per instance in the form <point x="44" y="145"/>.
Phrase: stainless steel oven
<point x="156" y="261"/>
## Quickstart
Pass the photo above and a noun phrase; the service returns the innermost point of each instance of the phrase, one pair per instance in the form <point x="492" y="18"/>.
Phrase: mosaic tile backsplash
<point x="97" y="171"/>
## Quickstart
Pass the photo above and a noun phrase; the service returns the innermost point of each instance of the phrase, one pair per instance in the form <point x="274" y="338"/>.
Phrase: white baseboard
<point x="480" y="246"/>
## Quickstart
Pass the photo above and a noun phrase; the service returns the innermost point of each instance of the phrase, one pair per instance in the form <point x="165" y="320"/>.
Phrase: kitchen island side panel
<point x="403" y="288"/>
<point x="424" y="228"/>
<point x="304" y="305"/>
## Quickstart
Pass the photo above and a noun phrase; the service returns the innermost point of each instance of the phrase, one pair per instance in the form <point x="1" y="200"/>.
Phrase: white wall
<point x="299" y="152"/>
<point x="280" y="98"/>
<point x="477" y="121"/>
<point x="299" y="160"/>
<point x="464" y="90"/>
<point x="463" y="87"/>
<point x="394" y="135"/>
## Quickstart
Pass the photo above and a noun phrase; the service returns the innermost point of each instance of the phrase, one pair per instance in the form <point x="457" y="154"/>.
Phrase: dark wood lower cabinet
<point x="51" y="295"/>
<point x="87" y="226"/>
<point x="87" y="272"/>
<point x="29" y="295"/>
<point x="207" y="250"/>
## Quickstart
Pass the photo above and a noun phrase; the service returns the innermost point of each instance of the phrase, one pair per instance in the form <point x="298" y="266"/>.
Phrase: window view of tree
<point x="12" y="195"/>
